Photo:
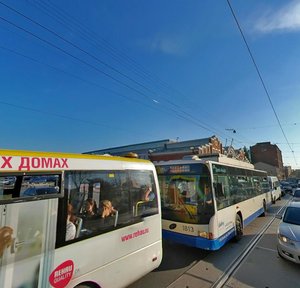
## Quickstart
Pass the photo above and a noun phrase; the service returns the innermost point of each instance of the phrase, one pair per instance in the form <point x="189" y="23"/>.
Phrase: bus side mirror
<point x="278" y="216"/>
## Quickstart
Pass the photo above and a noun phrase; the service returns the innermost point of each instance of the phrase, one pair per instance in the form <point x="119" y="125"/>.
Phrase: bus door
<point x="28" y="214"/>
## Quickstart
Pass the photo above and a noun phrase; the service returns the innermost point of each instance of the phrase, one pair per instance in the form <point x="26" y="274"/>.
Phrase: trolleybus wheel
<point x="238" y="228"/>
<point x="263" y="214"/>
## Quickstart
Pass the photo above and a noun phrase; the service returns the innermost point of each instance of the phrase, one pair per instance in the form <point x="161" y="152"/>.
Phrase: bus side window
<point x="10" y="187"/>
<point x="103" y="200"/>
<point x="146" y="201"/>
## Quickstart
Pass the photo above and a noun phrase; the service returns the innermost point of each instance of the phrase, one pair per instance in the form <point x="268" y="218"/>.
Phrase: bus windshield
<point x="186" y="193"/>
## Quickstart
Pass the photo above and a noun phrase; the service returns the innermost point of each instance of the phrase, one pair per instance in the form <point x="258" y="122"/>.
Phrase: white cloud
<point x="167" y="45"/>
<point x="285" y="19"/>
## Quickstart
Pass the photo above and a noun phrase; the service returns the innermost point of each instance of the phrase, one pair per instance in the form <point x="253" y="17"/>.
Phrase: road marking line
<point x="267" y="249"/>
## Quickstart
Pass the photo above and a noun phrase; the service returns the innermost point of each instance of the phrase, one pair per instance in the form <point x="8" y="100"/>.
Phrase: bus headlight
<point x="206" y="235"/>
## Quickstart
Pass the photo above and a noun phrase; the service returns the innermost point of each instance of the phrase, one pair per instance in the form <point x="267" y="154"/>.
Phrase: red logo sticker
<point x="61" y="276"/>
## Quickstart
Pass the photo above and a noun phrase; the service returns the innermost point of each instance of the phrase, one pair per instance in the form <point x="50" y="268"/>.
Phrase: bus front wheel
<point x="238" y="228"/>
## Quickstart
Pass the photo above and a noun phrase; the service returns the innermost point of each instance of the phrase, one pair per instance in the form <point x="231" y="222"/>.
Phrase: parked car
<point x="9" y="180"/>
<point x="36" y="191"/>
<point x="286" y="187"/>
<point x="38" y="179"/>
<point x="288" y="233"/>
<point x="292" y="180"/>
<point x="296" y="195"/>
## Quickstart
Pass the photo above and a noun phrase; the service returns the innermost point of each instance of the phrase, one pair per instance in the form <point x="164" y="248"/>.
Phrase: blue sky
<point x="84" y="75"/>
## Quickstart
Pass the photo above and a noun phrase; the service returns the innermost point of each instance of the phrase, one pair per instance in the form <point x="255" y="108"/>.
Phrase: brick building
<point x="269" y="154"/>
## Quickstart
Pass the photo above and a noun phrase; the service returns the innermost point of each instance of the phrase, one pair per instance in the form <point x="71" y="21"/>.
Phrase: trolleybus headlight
<point x="203" y="234"/>
<point x="206" y="235"/>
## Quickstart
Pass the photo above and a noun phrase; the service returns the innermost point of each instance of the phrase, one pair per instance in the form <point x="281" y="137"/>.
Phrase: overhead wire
<point x="88" y="34"/>
<point x="86" y="63"/>
<point x="260" y="77"/>
<point x="63" y="116"/>
<point x="74" y="76"/>
<point x="110" y="47"/>
<point x="82" y="50"/>
<point x="265" y="126"/>
<point x="72" y="44"/>
<point x="190" y="118"/>
<point x="60" y="15"/>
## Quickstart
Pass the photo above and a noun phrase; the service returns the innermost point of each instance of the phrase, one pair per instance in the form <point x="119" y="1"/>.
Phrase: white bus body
<point x="239" y="194"/>
<point x="275" y="188"/>
<point x="36" y="191"/>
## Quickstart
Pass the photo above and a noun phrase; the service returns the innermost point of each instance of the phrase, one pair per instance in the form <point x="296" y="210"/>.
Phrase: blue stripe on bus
<point x="253" y="216"/>
<point x="269" y="204"/>
<point x="203" y="243"/>
<point x="198" y="242"/>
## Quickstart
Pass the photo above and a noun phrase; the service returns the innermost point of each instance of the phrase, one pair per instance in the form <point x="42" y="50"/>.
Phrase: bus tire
<point x="87" y="285"/>
<point x="238" y="228"/>
<point x="263" y="214"/>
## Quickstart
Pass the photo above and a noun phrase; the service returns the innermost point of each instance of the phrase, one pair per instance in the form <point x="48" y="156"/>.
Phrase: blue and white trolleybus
<point x="207" y="202"/>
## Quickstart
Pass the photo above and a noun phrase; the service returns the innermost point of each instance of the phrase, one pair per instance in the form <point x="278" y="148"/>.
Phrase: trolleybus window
<point x="233" y="185"/>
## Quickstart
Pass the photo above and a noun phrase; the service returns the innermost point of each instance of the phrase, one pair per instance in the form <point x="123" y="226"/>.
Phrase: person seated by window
<point x="107" y="209"/>
<point x="71" y="228"/>
<point x="6" y="238"/>
<point x="147" y="194"/>
<point x="90" y="208"/>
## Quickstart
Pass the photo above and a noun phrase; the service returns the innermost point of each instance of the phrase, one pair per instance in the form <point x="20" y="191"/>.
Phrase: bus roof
<point x="28" y="153"/>
<point x="217" y="160"/>
<point x="23" y="161"/>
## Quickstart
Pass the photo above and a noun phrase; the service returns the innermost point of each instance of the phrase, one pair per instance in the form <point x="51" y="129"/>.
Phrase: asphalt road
<point x="187" y="267"/>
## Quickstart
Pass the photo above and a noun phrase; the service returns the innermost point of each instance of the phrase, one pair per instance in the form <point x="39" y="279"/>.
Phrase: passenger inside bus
<point x="147" y="194"/>
<point x="116" y="197"/>
<point x="90" y="208"/>
<point x="5" y="238"/>
<point x="71" y="228"/>
<point x="107" y="209"/>
<point x="145" y="202"/>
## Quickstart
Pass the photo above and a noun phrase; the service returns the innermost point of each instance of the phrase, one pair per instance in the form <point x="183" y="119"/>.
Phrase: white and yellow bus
<point x="206" y="202"/>
<point x="49" y="236"/>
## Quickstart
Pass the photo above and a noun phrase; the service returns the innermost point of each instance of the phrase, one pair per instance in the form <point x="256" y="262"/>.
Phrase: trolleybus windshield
<point x="186" y="193"/>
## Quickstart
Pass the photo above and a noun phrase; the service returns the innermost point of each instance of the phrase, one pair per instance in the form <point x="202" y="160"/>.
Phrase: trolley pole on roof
<point x="233" y="131"/>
